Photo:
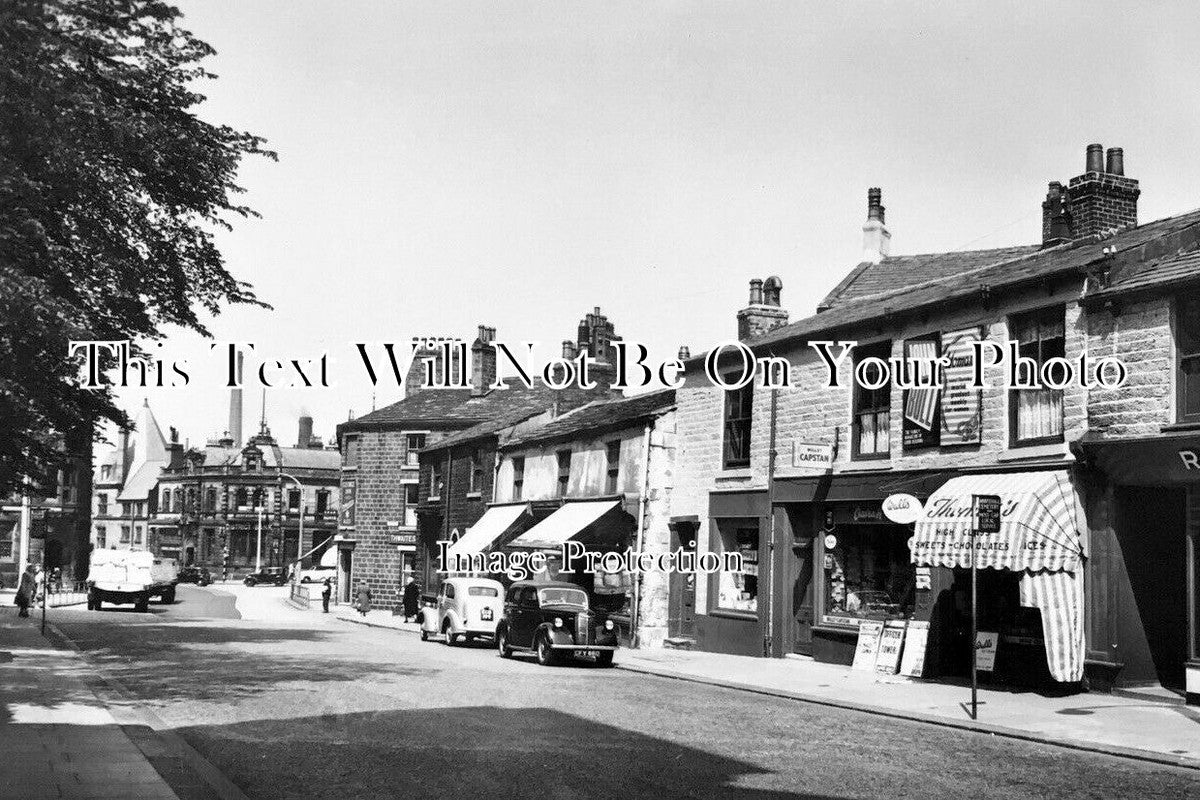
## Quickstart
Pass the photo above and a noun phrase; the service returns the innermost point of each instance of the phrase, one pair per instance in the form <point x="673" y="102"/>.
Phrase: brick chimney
<point x="763" y="313"/>
<point x="596" y="335"/>
<point x="1100" y="200"/>
<point x="304" y="438"/>
<point x="877" y="242"/>
<point x="483" y="361"/>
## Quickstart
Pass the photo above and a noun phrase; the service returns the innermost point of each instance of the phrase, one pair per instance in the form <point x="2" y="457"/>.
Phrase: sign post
<point x="985" y="518"/>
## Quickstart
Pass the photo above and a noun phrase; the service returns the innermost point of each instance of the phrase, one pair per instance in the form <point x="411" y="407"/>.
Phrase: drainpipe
<point x="769" y="640"/>
<point x="641" y="531"/>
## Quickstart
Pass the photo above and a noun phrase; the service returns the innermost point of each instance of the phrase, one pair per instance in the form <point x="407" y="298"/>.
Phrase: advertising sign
<point x="891" y="642"/>
<point x="902" y="509"/>
<point x="912" y="663"/>
<point x="987" y="513"/>
<point x="962" y="408"/>
<point x="920" y="425"/>
<point x="985" y="650"/>
<point x="869" y="634"/>
<point x="816" y="458"/>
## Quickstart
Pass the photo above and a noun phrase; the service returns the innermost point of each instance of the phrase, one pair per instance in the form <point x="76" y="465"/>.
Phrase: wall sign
<point x="867" y="650"/>
<point x="920" y="426"/>
<point x="962" y="407"/>
<point x="811" y="457"/>
<point x="902" y="509"/>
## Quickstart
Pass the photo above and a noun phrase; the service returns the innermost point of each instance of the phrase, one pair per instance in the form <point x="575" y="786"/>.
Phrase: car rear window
<point x="482" y="591"/>
<point x="564" y="597"/>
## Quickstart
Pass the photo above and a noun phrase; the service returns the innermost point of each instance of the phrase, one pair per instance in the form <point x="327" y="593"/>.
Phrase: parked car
<point x="195" y="574"/>
<point x="318" y="574"/>
<point x="469" y="607"/>
<point x="275" y="576"/>
<point x="554" y="620"/>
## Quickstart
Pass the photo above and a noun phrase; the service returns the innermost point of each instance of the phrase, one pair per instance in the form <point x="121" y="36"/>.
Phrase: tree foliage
<point x="111" y="190"/>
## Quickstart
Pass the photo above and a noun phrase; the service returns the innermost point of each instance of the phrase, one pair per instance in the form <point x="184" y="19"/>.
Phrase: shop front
<point x="733" y="617"/>
<point x="1143" y="504"/>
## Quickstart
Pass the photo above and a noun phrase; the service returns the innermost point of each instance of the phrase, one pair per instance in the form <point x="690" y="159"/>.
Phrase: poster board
<point x="867" y="650"/>
<point x="962" y="417"/>
<point x="912" y="663"/>
<point x="985" y="650"/>
<point x="891" y="643"/>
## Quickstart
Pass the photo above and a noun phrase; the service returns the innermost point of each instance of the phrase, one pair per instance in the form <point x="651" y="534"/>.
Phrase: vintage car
<point x="195" y="574"/>
<point x="275" y="576"/>
<point x="469" y="607"/>
<point x="553" y="620"/>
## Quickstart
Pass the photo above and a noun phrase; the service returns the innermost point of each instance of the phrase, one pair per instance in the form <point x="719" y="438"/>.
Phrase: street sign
<point x="987" y="513"/>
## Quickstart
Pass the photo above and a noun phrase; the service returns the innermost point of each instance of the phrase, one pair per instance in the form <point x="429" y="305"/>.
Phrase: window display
<point x="868" y="574"/>
<point x="738" y="590"/>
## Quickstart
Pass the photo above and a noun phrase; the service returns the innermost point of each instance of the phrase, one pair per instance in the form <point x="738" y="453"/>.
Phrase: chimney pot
<point x="875" y="209"/>
<point x="568" y="349"/>
<point x="1116" y="161"/>
<point x="684" y="352"/>
<point x="1095" y="158"/>
<point x="756" y="293"/>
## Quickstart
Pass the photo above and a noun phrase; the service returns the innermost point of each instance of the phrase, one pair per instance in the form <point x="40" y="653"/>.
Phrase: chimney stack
<point x="483" y="361"/>
<point x="304" y="439"/>
<point x="877" y="241"/>
<point x="684" y="352"/>
<point x="763" y="313"/>
<point x="568" y="350"/>
<point x="1100" y="200"/>
<point x="235" y="407"/>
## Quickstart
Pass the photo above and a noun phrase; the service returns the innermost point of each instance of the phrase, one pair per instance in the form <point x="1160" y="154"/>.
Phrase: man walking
<point x="326" y="593"/>
<point x="26" y="587"/>
<point x="364" y="598"/>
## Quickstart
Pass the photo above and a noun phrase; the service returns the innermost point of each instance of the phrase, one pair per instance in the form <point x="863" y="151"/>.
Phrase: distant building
<point x="122" y="483"/>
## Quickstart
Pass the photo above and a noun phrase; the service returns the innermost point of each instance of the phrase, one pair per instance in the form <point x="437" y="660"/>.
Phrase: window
<point x="294" y="499"/>
<point x="1036" y="415"/>
<point x="101" y="538"/>
<point x="259" y="498"/>
<point x="191" y="500"/>
<point x="475" y="475"/>
<point x="106" y="472"/>
<point x="102" y="503"/>
<point x="125" y="534"/>
<point x="868" y="575"/>
<point x="449" y="587"/>
<point x="413" y="443"/>
<point x="350" y="452"/>
<point x="921" y="424"/>
<point x="482" y="591"/>
<point x="242" y="498"/>
<point x="737" y="589"/>
<point x="564" y="472"/>
<point x="518" y="464"/>
<point x="1187" y="336"/>
<point x="322" y="501"/>
<point x="210" y="500"/>
<point x="872" y="407"/>
<point x="738" y="404"/>
<point x="412" y="496"/>
<point x="435" y="480"/>
<point x="613" y="474"/>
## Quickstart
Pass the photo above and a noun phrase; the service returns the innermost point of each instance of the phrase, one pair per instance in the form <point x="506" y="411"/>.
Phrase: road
<point x="288" y="703"/>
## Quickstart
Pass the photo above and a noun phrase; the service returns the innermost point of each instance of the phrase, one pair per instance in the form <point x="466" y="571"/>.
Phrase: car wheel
<point x="604" y="658"/>
<point x="143" y="606"/>
<point x="545" y="654"/>
<point x="448" y="632"/>
<point x="305" y="579"/>
<point x="249" y="581"/>
<point x="424" y="636"/>
<point x="502" y="644"/>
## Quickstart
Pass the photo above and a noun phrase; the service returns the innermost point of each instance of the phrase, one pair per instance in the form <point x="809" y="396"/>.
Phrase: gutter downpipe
<point x="635" y="617"/>
<point x="769" y="641"/>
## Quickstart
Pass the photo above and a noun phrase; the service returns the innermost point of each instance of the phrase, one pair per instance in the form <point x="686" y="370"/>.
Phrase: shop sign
<point x="1190" y="459"/>
<point x="866" y="514"/>
<point x="867" y="650"/>
<point x="912" y="663"/>
<point x="830" y="541"/>
<point x="985" y="650"/>
<point x="902" y="509"/>
<point x="812" y="457"/>
<point x="924" y="578"/>
<point x="402" y="538"/>
<point x="891" y="642"/>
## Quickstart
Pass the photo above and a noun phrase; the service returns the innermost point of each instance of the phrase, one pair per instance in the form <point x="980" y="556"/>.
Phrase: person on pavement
<point x="25" y="589"/>
<point x="326" y="593"/>
<point x="364" y="598"/>
<point x="412" y="599"/>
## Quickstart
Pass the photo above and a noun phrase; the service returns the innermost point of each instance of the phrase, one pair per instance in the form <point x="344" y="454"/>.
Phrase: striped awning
<point x="1039" y="527"/>
<point x="494" y="523"/>
<point x="1059" y="596"/>
<point x="564" y="524"/>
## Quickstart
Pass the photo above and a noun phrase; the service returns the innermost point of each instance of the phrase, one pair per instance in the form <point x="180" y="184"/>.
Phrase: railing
<point x="300" y="594"/>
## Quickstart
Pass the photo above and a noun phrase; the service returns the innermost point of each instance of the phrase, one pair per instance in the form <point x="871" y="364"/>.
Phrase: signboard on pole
<point x="987" y="513"/>
<point x="869" y="634"/>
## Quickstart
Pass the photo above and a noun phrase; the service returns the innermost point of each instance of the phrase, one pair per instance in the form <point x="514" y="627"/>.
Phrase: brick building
<point x="795" y="479"/>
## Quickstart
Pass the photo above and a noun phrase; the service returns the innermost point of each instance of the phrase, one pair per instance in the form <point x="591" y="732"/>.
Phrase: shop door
<point x="681" y="618"/>
<point x="801" y="583"/>
<point x="1151" y="531"/>
<point x="345" y="560"/>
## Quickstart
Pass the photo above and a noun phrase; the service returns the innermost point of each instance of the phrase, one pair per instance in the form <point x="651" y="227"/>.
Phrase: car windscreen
<point x="563" y="597"/>
<point x="483" y="591"/>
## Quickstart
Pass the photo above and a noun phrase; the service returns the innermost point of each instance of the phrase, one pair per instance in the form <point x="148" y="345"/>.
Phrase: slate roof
<point x="868" y="279"/>
<point x="292" y="457"/>
<point x="139" y="485"/>
<point x="1159" y="273"/>
<point x="1146" y="242"/>
<point x="425" y="406"/>
<point x="599" y="416"/>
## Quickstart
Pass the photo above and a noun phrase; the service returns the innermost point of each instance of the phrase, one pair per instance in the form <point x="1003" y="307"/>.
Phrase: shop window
<point x="737" y="589"/>
<point x="350" y="452"/>
<point x="564" y="472"/>
<point x="921" y="424"/>
<point x="413" y="444"/>
<point x="872" y="407"/>
<point x="738" y="406"/>
<point x="475" y="474"/>
<point x="613" y="473"/>
<point x="518" y="465"/>
<point x="1036" y="415"/>
<point x="1187" y="335"/>
<point x="868" y="574"/>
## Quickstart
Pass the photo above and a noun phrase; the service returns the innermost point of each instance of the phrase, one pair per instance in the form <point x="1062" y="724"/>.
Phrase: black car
<point x="197" y="575"/>
<point x="554" y="620"/>
<point x="272" y="575"/>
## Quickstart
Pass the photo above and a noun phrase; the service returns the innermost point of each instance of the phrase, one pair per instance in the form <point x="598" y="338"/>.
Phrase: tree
<point x="111" y="190"/>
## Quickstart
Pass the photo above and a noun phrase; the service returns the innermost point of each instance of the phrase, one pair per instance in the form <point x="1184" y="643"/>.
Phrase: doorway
<point x="681" y="615"/>
<point x="345" y="567"/>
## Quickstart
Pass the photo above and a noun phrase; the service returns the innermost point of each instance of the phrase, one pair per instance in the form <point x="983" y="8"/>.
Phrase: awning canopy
<point x="564" y="524"/>
<point x="1149" y="461"/>
<point x="1039" y="527"/>
<point x="494" y="523"/>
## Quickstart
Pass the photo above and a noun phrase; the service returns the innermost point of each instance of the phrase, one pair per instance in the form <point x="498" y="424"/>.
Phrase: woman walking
<point x="25" y="591"/>
<point x="364" y="598"/>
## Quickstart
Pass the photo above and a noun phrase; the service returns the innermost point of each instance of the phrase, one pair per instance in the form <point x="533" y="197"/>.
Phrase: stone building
<point x="795" y="479"/>
<point x="123" y="481"/>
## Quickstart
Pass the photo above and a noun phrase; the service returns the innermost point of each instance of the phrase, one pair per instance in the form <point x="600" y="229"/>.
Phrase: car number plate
<point x="485" y="614"/>
<point x="589" y="653"/>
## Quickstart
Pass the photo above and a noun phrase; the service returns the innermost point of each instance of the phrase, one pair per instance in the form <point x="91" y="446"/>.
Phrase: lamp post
<point x="258" y="551"/>
<point x="300" y="532"/>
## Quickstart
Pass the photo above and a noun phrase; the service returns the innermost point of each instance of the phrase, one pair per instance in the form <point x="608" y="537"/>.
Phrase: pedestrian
<point x="364" y="598"/>
<point x="326" y="593"/>
<point x="412" y="599"/>
<point x="26" y="587"/>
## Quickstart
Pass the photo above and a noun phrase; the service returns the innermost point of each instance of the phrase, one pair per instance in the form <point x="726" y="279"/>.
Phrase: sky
<point x="454" y="164"/>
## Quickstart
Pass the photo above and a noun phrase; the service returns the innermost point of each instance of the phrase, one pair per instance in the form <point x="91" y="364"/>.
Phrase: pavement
<point x="1146" y="729"/>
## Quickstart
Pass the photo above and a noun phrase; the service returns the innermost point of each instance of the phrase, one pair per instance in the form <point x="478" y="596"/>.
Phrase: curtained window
<point x="1187" y="335"/>
<point x="872" y="407"/>
<point x="1036" y="415"/>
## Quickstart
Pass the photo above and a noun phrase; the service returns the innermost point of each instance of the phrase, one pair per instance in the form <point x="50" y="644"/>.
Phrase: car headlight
<point x="558" y="622"/>
<point x="608" y="625"/>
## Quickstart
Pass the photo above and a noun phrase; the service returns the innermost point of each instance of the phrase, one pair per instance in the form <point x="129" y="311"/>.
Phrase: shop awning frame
<point x="566" y="523"/>
<point x="493" y="525"/>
